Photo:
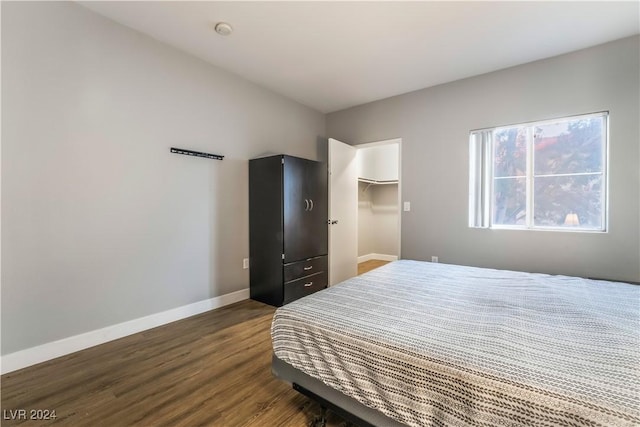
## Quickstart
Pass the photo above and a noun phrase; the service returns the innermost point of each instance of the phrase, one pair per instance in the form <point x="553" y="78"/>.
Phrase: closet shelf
<point x="375" y="182"/>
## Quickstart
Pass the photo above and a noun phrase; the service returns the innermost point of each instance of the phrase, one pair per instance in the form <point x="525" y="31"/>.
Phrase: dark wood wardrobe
<point x="288" y="234"/>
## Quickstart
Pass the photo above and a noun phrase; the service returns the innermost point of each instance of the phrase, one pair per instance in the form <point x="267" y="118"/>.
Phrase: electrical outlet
<point x="407" y="206"/>
<point x="245" y="263"/>
<point x="434" y="259"/>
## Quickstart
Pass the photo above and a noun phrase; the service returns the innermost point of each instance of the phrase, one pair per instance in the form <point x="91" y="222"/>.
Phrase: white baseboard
<point x="42" y="353"/>
<point x="381" y="257"/>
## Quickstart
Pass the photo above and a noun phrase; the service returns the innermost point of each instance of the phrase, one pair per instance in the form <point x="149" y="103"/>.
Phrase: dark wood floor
<point x="213" y="369"/>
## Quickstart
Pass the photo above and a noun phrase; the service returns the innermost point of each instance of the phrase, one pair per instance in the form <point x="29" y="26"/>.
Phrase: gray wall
<point x="434" y="125"/>
<point x="100" y="223"/>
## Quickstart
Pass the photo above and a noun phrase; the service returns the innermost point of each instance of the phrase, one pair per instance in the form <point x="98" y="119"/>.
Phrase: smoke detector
<point x="223" y="28"/>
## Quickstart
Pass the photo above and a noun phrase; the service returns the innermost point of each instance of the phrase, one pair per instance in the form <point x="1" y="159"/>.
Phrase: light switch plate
<point x="407" y="206"/>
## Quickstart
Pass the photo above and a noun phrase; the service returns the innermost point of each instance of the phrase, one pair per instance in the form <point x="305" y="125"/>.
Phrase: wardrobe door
<point x="305" y="209"/>
<point x="316" y="220"/>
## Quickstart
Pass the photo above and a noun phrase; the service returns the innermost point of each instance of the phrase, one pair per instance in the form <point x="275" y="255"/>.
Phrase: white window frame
<point x="482" y="180"/>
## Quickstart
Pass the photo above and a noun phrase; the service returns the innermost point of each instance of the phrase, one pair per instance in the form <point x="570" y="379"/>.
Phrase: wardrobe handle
<point x="311" y="200"/>
<point x="306" y="285"/>
<point x="306" y="204"/>
<point x="307" y="268"/>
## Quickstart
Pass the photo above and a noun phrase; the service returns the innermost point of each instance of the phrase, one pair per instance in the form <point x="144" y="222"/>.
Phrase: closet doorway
<point x="379" y="216"/>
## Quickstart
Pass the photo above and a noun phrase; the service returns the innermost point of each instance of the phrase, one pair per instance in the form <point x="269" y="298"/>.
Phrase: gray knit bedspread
<point x="443" y="345"/>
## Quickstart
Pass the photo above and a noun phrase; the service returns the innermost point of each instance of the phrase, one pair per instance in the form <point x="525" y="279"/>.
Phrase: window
<point x="542" y="175"/>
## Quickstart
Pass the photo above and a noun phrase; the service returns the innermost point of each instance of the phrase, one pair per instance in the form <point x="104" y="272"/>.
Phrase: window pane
<point x="569" y="146"/>
<point x="510" y="157"/>
<point x="509" y="201"/>
<point x="557" y="197"/>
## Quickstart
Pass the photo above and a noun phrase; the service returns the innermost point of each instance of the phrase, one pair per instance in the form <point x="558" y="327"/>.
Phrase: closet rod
<point x="196" y="153"/>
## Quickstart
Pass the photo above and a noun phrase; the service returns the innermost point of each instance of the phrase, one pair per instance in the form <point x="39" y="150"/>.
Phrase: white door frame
<point x="387" y="142"/>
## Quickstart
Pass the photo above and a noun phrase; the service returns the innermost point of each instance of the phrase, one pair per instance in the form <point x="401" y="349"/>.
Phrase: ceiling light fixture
<point x="223" y="28"/>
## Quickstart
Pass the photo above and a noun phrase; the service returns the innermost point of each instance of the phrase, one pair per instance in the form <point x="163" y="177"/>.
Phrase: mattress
<point x="435" y="344"/>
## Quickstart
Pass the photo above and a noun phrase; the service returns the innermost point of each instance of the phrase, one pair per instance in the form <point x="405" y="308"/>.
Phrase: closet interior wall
<point x="378" y="201"/>
<point x="377" y="220"/>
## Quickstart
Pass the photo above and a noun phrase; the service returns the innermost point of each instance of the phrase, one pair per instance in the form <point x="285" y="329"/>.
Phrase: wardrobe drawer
<point x="304" y="286"/>
<point x="296" y="270"/>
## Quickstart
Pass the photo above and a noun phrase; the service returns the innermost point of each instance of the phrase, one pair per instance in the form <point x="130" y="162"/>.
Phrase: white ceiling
<point x="332" y="55"/>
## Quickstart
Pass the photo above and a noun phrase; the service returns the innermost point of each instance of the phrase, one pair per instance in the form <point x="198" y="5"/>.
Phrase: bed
<point x="424" y="344"/>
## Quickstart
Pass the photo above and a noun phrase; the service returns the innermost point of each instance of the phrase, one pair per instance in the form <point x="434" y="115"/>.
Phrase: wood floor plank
<point x="213" y="369"/>
<point x="366" y="266"/>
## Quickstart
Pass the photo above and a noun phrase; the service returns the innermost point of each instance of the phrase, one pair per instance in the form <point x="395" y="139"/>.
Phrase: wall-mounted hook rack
<point x="196" y="153"/>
